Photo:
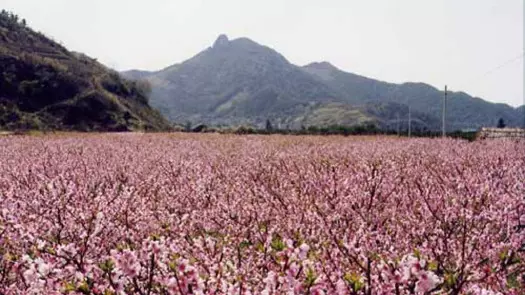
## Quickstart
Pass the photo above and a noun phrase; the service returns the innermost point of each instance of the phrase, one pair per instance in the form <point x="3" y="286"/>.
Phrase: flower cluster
<point x="220" y="214"/>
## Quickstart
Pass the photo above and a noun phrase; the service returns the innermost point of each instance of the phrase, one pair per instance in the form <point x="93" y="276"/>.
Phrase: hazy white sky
<point x="454" y="42"/>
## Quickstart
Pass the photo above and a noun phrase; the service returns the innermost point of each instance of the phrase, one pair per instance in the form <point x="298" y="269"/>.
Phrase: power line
<point x="487" y="73"/>
<point x="409" y="122"/>
<point x="444" y="114"/>
<point x="500" y="66"/>
<point x="446" y="92"/>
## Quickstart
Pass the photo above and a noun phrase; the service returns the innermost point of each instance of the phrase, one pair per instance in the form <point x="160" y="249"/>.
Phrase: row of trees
<point x="365" y="129"/>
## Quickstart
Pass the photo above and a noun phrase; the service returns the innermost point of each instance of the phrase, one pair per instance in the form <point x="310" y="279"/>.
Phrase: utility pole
<point x="398" y="125"/>
<point x="409" y="122"/>
<point x="443" y="124"/>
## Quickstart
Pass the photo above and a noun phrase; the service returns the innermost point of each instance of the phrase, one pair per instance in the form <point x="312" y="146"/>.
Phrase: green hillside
<point x="45" y="86"/>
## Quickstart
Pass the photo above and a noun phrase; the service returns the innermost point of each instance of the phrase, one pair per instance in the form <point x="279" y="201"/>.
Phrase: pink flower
<point x="341" y="288"/>
<point x="426" y="282"/>
<point x="303" y="251"/>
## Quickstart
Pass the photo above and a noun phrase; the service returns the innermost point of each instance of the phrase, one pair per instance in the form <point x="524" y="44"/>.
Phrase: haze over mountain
<point x="241" y="82"/>
<point x="45" y="86"/>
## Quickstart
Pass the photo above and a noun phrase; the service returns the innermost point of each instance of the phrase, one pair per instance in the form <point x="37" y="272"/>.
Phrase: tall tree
<point x="501" y="123"/>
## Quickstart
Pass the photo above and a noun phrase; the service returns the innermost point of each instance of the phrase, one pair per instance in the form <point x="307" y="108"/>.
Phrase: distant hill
<point x="463" y="110"/>
<point x="241" y="82"/>
<point x="45" y="86"/>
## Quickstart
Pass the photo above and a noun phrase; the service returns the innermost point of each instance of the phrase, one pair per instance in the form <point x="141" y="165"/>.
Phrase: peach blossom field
<point x="224" y="214"/>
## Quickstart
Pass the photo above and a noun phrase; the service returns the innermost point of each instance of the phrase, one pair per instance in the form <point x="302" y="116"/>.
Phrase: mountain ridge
<point x="240" y="81"/>
<point x="257" y="70"/>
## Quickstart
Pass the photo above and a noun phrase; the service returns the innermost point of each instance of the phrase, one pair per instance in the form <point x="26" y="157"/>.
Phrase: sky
<point x="474" y="46"/>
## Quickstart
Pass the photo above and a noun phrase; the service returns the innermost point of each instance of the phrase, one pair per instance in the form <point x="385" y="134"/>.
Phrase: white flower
<point x="42" y="267"/>
<point x="40" y="244"/>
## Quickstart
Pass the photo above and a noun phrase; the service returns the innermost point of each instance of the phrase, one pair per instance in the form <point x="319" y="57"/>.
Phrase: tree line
<point x="9" y="19"/>
<point x="362" y="129"/>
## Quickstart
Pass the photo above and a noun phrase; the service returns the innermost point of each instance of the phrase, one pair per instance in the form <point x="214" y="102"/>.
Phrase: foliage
<point x="501" y="123"/>
<point x="44" y="86"/>
<point x="219" y="214"/>
<point x="10" y="20"/>
<point x="366" y="129"/>
<point x="199" y="128"/>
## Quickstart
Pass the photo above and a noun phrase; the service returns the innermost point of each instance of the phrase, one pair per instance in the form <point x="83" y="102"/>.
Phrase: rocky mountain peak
<point x="222" y="40"/>
<point x="324" y="65"/>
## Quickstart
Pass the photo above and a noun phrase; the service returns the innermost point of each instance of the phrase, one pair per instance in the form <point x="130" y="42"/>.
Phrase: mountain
<point x="463" y="110"/>
<point x="235" y="82"/>
<point x="241" y="82"/>
<point x="45" y="86"/>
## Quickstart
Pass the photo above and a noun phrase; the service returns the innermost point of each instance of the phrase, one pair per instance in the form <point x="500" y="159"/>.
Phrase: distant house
<point x="470" y="130"/>
<point x="486" y="133"/>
